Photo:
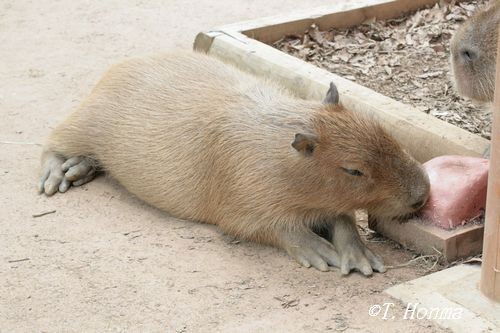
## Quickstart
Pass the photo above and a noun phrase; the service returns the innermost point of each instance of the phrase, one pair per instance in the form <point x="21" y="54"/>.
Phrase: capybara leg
<point x="52" y="176"/>
<point x="79" y="170"/>
<point x="353" y="253"/>
<point x="308" y="248"/>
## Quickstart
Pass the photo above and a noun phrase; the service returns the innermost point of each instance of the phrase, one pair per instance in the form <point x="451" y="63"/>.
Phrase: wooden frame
<point x="490" y="272"/>
<point x="243" y="45"/>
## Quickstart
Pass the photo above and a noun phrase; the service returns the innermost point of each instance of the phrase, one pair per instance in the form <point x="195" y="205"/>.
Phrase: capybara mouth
<point x="413" y="214"/>
<point x="401" y="218"/>
<point x="462" y="83"/>
<point x="405" y="218"/>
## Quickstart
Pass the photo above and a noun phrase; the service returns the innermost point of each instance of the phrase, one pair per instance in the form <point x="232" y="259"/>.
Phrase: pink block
<point x="458" y="190"/>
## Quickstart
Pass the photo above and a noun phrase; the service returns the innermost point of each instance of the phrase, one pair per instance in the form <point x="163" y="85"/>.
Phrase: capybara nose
<point x="468" y="55"/>
<point x="419" y="204"/>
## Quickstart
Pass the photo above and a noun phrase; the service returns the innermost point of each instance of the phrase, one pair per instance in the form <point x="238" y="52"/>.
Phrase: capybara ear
<point x="305" y="143"/>
<point x="332" y="95"/>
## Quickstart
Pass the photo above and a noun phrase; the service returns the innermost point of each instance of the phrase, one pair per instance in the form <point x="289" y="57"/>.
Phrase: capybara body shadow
<point x="205" y="141"/>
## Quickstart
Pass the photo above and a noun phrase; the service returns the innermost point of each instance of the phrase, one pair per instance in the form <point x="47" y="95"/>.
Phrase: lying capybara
<point x="473" y="54"/>
<point x="204" y="141"/>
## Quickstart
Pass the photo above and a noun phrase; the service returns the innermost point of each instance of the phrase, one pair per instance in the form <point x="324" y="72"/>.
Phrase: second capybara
<point x="473" y="54"/>
<point x="205" y="141"/>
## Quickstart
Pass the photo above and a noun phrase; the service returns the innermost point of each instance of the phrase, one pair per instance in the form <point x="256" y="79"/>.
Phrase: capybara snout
<point x="413" y="184"/>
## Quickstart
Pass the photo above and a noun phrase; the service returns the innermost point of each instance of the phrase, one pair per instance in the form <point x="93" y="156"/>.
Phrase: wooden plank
<point x="490" y="272"/>
<point x="464" y="241"/>
<point x="336" y="15"/>
<point x="423" y="135"/>
<point x="458" y="243"/>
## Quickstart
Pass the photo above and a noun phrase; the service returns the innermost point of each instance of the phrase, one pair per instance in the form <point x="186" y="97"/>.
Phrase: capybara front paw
<point x="375" y="260"/>
<point x="311" y="250"/>
<point x="356" y="256"/>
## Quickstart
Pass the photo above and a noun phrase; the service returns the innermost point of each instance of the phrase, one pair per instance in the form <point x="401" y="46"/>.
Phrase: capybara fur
<point x="473" y="54"/>
<point x="205" y="141"/>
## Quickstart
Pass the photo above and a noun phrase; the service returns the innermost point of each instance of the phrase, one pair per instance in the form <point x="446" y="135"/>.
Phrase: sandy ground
<point x="105" y="261"/>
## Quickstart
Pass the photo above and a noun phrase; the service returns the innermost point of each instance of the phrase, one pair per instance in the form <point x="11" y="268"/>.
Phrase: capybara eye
<point x="353" y="172"/>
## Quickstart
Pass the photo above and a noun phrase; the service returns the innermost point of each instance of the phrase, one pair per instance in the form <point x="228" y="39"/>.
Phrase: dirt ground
<point x="104" y="261"/>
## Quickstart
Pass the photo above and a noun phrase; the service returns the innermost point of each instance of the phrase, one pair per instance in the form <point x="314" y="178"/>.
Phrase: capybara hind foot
<point x="354" y="255"/>
<point x="58" y="174"/>
<point x="52" y="176"/>
<point x="79" y="170"/>
<point x="309" y="249"/>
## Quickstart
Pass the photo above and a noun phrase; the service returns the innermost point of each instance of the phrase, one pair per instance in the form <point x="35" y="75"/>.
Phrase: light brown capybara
<point x="473" y="54"/>
<point x="205" y="141"/>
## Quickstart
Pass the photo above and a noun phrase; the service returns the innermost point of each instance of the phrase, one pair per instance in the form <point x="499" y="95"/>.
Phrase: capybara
<point x="205" y="141"/>
<point x="473" y="54"/>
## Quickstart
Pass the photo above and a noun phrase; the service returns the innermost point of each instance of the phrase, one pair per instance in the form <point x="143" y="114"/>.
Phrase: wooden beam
<point x="490" y="271"/>
<point x="454" y="244"/>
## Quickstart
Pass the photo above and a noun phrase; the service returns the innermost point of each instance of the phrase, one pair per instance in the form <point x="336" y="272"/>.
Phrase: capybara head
<point x="473" y="54"/>
<point x="351" y="162"/>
